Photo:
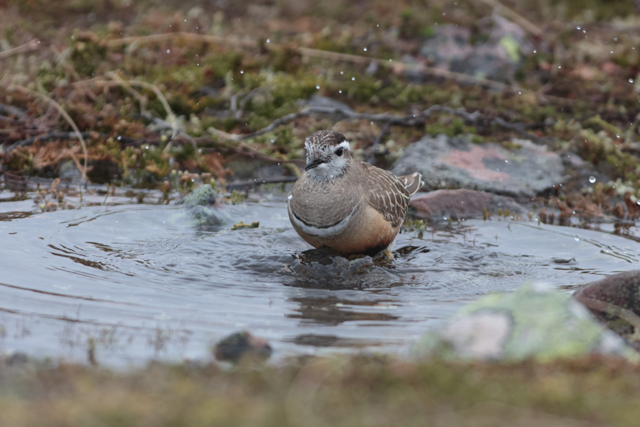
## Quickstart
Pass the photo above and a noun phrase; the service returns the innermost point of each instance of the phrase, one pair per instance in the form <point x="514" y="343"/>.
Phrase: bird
<point x="347" y="205"/>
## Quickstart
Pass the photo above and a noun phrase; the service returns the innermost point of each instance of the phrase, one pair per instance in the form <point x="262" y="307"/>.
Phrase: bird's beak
<point x="314" y="164"/>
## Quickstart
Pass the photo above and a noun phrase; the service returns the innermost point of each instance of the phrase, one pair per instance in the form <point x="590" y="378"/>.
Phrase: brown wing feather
<point x="386" y="193"/>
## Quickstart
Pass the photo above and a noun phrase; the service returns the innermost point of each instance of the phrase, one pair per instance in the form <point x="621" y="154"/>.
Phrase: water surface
<point x="142" y="281"/>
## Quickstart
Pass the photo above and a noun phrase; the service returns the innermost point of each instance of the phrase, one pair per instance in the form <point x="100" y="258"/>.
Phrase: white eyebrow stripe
<point x="343" y="144"/>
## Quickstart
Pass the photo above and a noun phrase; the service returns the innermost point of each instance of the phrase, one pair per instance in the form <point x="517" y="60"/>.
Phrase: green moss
<point x="86" y="53"/>
<point x="354" y="388"/>
<point x="221" y="63"/>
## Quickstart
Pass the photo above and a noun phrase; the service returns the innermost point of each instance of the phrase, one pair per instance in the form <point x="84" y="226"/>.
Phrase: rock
<point x="455" y="162"/>
<point x="201" y="206"/>
<point x="323" y="268"/>
<point x="615" y="300"/>
<point x="241" y="344"/>
<point x="461" y="204"/>
<point x="324" y="102"/>
<point x="69" y="172"/>
<point x="497" y="56"/>
<point x="103" y="171"/>
<point x="533" y="322"/>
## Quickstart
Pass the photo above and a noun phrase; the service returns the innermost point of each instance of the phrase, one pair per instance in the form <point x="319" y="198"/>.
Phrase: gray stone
<point x="454" y="162"/>
<point x="496" y="58"/>
<point x="533" y="322"/>
<point x="69" y="172"/>
<point x="324" y="102"/>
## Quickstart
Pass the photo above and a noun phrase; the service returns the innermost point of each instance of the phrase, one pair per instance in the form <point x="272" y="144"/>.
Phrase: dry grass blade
<point x="182" y="35"/>
<point x="32" y="45"/>
<point x="64" y="114"/>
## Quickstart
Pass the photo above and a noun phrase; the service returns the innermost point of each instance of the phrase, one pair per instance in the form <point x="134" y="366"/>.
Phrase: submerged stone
<point x="201" y="206"/>
<point x="323" y="268"/>
<point x="535" y="322"/>
<point x="236" y="346"/>
<point x="455" y="162"/>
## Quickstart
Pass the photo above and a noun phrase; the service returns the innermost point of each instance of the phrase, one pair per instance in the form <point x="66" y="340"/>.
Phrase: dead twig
<point x="243" y="184"/>
<point x="388" y="119"/>
<point x="47" y="137"/>
<point x="515" y="17"/>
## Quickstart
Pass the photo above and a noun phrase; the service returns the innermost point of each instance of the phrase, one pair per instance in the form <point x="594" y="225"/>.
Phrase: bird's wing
<point x="386" y="193"/>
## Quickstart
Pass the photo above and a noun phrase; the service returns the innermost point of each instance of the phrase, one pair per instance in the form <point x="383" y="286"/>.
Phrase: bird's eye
<point x="339" y="151"/>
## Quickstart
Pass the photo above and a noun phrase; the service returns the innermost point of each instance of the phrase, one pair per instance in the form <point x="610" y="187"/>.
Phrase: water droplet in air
<point x="290" y="197"/>
<point x="318" y="87"/>
<point x="630" y="80"/>
<point x="353" y="79"/>
<point x="592" y="179"/>
<point x="365" y="49"/>
<point x="168" y="50"/>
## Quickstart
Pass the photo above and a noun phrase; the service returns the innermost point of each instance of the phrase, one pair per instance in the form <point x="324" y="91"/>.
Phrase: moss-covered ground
<point x="158" y="87"/>
<point x="351" y="391"/>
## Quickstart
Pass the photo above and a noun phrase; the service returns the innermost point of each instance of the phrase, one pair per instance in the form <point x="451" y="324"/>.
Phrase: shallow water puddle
<point x="141" y="281"/>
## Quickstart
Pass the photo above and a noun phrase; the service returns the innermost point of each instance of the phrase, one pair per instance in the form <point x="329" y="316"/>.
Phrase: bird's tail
<point x="412" y="182"/>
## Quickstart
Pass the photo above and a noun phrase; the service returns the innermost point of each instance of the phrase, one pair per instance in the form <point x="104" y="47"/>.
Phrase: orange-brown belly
<point x="367" y="233"/>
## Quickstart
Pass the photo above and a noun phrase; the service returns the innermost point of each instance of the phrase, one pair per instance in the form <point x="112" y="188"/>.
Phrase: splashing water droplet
<point x="353" y="79"/>
<point x="318" y="87"/>
<point x="290" y="197"/>
<point x="592" y="179"/>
